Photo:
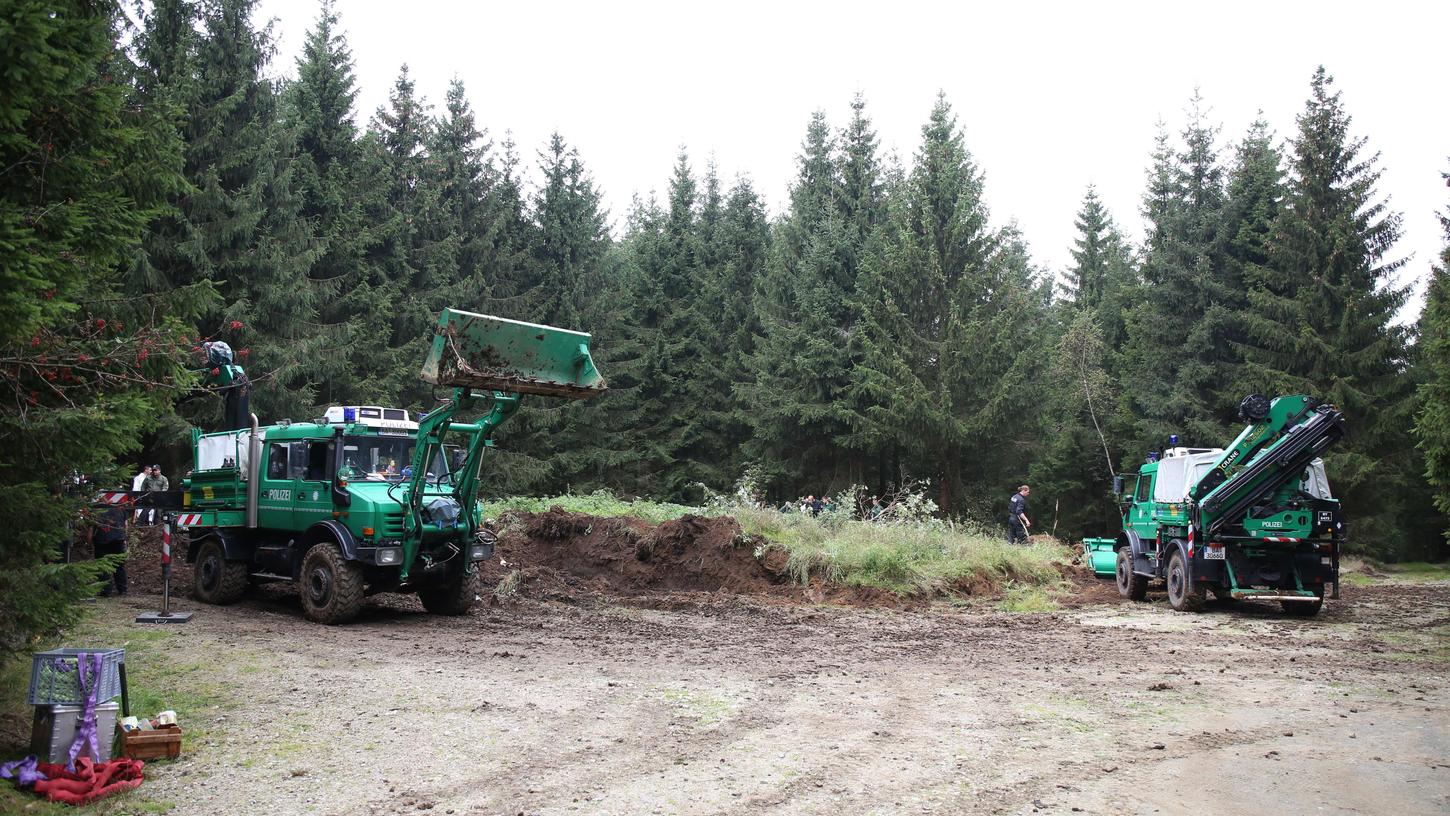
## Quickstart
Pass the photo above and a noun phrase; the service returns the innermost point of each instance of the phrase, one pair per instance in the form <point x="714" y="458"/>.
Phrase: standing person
<point x="155" y="483"/>
<point x="874" y="513"/>
<point x="136" y="485"/>
<point x="1017" y="521"/>
<point x="108" y="537"/>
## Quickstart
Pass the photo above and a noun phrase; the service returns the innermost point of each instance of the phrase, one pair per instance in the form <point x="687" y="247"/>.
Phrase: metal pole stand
<point x="165" y="615"/>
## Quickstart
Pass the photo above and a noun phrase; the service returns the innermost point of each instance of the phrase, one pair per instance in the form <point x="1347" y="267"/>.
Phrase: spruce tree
<point x="91" y="364"/>
<point x="1179" y="354"/>
<point x="239" y="227"/>
<point x="549" y="443"/>
<point x="319" y="107"/>
<point x="400" y="261"/>
<point x="802" y="370"/>
<point x="1432" y="425"/>
<point x="1255" y="198"/>
<point x="1321" y="316"/>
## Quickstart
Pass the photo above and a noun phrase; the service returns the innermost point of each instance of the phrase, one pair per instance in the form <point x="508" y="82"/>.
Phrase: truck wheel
<point x="1300" y="609"/>
<point x="1130" y="586"/>
<point x="1182" y="595"/>
<point x="453" y="596"/>
<point x="215" y="579"/>
<point x="331" y="587"/>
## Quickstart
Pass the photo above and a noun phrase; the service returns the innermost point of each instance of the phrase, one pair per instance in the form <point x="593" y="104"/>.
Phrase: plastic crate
<point x="55" y="679"/>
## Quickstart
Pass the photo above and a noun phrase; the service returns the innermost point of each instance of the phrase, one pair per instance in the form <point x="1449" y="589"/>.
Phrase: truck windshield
<point x="383" y="458"/>
<point x="376" y="458"/>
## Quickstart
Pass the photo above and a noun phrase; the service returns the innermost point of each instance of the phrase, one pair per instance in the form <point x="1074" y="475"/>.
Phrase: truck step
<point x="271" y="576"/>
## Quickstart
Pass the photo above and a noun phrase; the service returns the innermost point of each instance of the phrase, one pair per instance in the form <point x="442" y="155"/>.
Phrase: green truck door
<point x="1140" y="516"/>
<point x="274" y="497"/>
<point x="312" y="501"/>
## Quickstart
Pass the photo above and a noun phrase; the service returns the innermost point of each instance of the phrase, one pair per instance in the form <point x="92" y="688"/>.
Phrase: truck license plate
<point x="1213" y="554"/>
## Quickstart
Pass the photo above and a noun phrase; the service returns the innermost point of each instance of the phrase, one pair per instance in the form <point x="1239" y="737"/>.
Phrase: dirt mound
<point x="561" y="554"/>
<point x="143" y="564"/>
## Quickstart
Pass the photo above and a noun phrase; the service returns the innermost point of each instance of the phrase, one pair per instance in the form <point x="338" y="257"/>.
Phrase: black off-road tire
<point x="1131" y="586"/>
<point x="215" y="580"/>
<point x="1300" y="609"/>
<point x="455" y="595"/>
<point x="1183" y="596"/>
<point x="330" y="586"/>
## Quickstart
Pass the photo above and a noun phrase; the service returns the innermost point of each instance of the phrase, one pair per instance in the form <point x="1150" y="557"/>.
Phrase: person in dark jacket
<point x="1017" y="521"/>
<point x="108" y="537"/>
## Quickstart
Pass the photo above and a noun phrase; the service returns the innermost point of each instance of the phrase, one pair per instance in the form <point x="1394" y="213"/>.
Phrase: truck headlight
<point x="389" y="555"/>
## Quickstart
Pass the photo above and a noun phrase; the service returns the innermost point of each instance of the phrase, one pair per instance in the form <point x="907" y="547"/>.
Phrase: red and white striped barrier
<point x="114" y="497"/>
<point x="1281" y="539"/>
<point x="188" y="519"/>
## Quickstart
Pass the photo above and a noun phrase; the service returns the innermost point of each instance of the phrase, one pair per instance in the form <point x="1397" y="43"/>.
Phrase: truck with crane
<point x="1253" y="521"/>
<point x="366" y="498"/>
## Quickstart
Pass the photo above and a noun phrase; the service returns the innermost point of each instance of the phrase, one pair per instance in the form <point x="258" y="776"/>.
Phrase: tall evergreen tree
<point x="950" y="325"/>
<point x="1321" y="315"/>
<point x="319" y="108"/>
<point x="1255" y="199"/>
<point x="401" y="262"/>
<point x="798" y="398"/>
<point x="551" y="442"/>
<point x="89" y="365"/>
<point x="239" y="227"/>
<point x="1180" y="355"/>
<point x="1432" y="425"/>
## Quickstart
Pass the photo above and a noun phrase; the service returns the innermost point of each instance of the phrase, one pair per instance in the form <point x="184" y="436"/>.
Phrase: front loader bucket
<point x="493" y="353"/>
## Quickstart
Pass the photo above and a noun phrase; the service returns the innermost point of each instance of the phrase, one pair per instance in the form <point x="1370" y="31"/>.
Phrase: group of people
<point x="107" y="532"/>
<point x="815" y="505"/>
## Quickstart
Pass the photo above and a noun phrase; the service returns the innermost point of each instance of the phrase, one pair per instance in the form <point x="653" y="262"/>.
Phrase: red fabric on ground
<point x="89" y="781"/>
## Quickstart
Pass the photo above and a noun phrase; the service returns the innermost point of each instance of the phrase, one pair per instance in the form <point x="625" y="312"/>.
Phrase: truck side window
<point x="297" y="460"/>
<point x="318" y="455"/>
<point x="1145" y="487"/>
<point x="277" y="461"/>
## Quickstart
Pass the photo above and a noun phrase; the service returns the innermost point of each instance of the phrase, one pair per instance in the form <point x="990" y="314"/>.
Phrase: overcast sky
<point x="1052" y="96"/>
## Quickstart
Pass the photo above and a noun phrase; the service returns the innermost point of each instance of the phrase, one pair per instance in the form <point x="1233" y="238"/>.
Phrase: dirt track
<point x="698" y="703"/>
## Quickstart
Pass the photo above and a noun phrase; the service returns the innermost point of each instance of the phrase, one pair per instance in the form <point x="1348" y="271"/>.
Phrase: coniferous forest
<point x="161" y="186"/>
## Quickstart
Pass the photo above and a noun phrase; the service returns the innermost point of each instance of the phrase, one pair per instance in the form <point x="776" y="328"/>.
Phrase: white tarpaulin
<point x="222" y="450"/>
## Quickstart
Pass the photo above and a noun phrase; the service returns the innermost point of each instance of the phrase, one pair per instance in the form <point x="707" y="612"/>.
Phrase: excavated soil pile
<point x="143" y="566"/>
<point x="562" y="555"/>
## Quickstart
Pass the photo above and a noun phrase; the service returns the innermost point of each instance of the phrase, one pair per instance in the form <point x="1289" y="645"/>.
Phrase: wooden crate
<point x="161" y="743"/>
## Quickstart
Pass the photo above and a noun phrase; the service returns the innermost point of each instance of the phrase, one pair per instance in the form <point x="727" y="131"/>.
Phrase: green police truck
<point x="368" y="498"/>
<point x="1256" y="520"/>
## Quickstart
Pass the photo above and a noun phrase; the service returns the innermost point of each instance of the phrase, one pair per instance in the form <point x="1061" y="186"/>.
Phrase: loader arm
<point x="474" y="353"/>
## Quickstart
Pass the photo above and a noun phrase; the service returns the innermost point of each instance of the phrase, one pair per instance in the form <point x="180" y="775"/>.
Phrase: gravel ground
<point x="702" y="704"/>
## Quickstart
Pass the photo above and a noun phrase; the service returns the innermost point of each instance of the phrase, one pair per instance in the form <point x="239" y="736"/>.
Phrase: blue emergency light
<point x="1173" y="440"/>
<point x="349" y="415"/>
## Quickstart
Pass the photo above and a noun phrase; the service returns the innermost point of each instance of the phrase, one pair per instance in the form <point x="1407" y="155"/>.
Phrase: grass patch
<point x="1367" y="572"/>
<point x="929" y="557"/>
<point x="599" y="503"/>
<point x="1027" y="599"/>
<point x="1418" y="571"/>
